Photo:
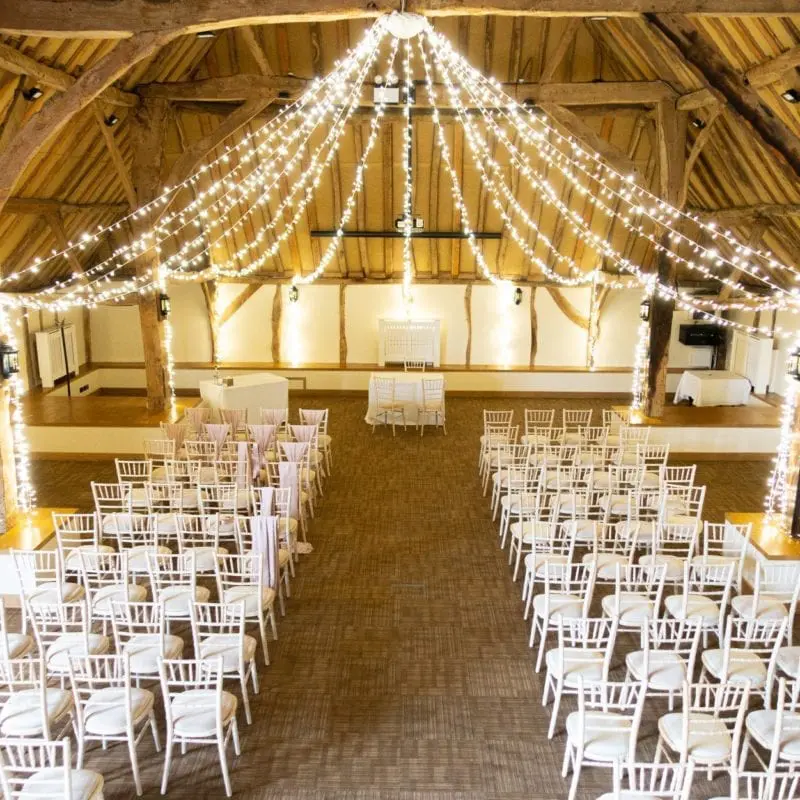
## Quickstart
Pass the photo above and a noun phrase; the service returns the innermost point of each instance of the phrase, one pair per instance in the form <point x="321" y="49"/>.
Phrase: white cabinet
<point x="50" y="354"/>
<point x="408" y="340"/>
<point x="751" y="356"/>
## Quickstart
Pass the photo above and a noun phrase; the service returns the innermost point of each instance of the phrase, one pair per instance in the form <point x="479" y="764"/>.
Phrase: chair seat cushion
<point x="633" y="609"/>
<point x="709" y="739"/>
<point x="673" y="564"/>
<point x="72" y="562"/>
<point x="666" y="670"/>
<point x="768" y="607"/>
<point x="743" y="666"/>
<point x="74" y="644"/>
<point x="137" y="556"/>
<point x="599" y="744"/>
<point x="699" y="608"/>
<point x="102" y="599"/>
<point x="49" y="593"/>
<point x="144" y="650"/>
<point x="788" y="660"/>
<point x="84" y="784"/>
<point x="545" y="562"/>
<point x="616" y="504"/>
<point x="104" y="713"/>
<point x="606" y="563"/>
<point x="642" y="530"/>
<point x="575" y="662"/>
<point x="19" y="644"/>
<point x="218" y="645"/>
<point x="176" y="599"/>
<point x="194" y="712"/>
<point x="249" y="593"/>
<point x="22" y="713"/>
<point x="569" y="606"/>
<point x="761" y="726"/>
<point x="205" y="558"/>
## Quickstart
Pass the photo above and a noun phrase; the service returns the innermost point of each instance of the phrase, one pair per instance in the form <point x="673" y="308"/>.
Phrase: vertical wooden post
<point x="534" y="329"/>
<point x="148" y="136"/>
<point x="468" y="314"/>
<point x="277" y="311"/>
<point x="342" y="324"/>
<point x="672" y="162"/>
<point x="8" y="474"/>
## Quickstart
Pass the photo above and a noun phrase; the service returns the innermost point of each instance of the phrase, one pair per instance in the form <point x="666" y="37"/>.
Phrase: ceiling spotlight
<point x="111" y="120"/>
<point x="791" y="95"/>
<point x="34" y="93"/>
<point x="206" y="34"/>
<point x="698" y="123"/>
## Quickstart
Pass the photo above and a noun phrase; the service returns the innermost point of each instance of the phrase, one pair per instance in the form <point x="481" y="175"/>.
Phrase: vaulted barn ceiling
<point x="81" y="177"/>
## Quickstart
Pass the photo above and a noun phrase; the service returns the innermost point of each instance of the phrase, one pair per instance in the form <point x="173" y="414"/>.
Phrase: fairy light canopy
<point x="565" y="214"/>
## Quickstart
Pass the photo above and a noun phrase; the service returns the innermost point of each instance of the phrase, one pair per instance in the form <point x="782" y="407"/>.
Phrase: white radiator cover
<point x="408" y="340"/>
<point x="50" y="354"/>
<point x="751" y="356"/>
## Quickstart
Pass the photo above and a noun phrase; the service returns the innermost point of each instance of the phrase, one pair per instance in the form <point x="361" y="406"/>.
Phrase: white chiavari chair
<point x="279" y="417"/>
<point x="552" y="548"/>
<point x="607" y="551"/>
<point x="107" y="577"/>
<point x="775" y="594"/>
<point x="164" y="502"/>
<point x="708" y="728"/>
<point x="623" y="497"/>
<point x="221" y="500"/>
<point x="614" y="419"/>
<point x="217" y="432"/>
<point x="196" y="417"/>
<point x="653" y="457"/>
<point x="319" y="417"/>
<point x="682" y="505"/>
<point x="650" y="781"/>
<point x="40" y="575"/>
<point x="496" y="424"/>
<point x="186" y="472"/>
<point x="140" y="632"/>
<point x="499" y="450"/>
<point x="198" y="534"/>
<point x="218" y="631"/>
<point x="307" y="434"/>
<point x="672" y="546"/>
<point x="726" y="543"/>
<point x="76" y="532"/>
<point x="173" y="579"/>
<point x="43" y="770"/>
<point x="291" y="502"/>
<point x="108" y="708"/>
<point x="585" y="647"/>
<point x="432" y="404"/>
<point x="572" y="423"/>
<point x="201" y="450"/>
<point x="175" y="432"/>
<point x="197" y="710"/>
<point x="538" y="426"/>
<point x="667" y="657"/>
<point x="295" y="472"/>
<point x="262" y="438"/>
<point x="247" y="530"/>
<point x="12" y="645"/>
<point x="604" y="729"/>
<point x="768" y="785"/>
<point x="705" y="596"/>
<point x="236" y="418"/>
<point x="111" y="499"/>
<point x="568" y="590"/>
<point x="137" y="535"/>
<point x="679" y="474"/>
<point x="387" y="407"/>
<point x="512" y="475"/>
<point x="638" y="589"/>
<point x="158" y="452"/>
<point x="776" y="731"/>
<point x="526" y="513"/>
<point x="138" y="473"/>
<point x="748" y="652"/>
<point x="62" y="630"/>
<point x="271" y="500"/>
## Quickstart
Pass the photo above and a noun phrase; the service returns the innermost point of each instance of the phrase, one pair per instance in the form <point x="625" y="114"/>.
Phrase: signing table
<point x="254" y="391"/>
<point x="713" y="388"/>
<point x="407" y="390"/>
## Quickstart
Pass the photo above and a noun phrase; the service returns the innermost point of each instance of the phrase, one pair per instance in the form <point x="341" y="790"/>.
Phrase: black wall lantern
<point x="644" y="311"/>
<point x="517" y="296"/>
<point x="9" y="360"/>
<point x="294" y="293"/>
<point x="793" y="364"/>
<point x="164" y="306"/>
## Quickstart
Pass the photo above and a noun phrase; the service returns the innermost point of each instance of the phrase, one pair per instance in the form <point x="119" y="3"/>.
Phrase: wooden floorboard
<point x="95" y="410"/>
<point x="402" y="671"/>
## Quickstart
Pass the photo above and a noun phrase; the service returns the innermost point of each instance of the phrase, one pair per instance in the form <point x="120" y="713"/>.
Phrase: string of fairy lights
<point x="232" y="216"/>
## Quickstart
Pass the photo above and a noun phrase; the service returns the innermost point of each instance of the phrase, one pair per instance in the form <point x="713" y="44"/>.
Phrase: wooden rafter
<point x="256" y="50"/>
<point x="567" y="309"/>
<point x="116" y="157"/>
<point x="770" y="71"/>
<point x="40" y="205"/>
<point x="227" y="88"/>
<point x="694" y="153"/>
<point x="563" y="45"/>
<point x="98" y="19"/>
<point x="737" y="214"/>
<point x="17" y="62"/>
<point x="228" y="312"/>
<point x="753" y="241"/>
<point x="62" y="240"/>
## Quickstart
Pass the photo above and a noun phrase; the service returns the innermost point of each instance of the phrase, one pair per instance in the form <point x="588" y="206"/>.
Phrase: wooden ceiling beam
<point x="701" y="98"/>
<point x="62" y="240"/>
<point x="40" y="205"/>
<point x="58" y="111"/>
<point x="706" y="61"/>
<point x="737" y="214"/>
<point x="753" y="242"/>
<point x="770" y="71"/>
<point x="227" y="88"/>
<point x="19" y="63"/>
<point x="116" y="157"/>
<point x="256" y="50"/>
<point x="101" y="19"/>
<point x="697" y="148"/>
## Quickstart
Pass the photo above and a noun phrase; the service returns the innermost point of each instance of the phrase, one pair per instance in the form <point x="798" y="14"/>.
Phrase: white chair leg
<point x="167" y="762"/>
<point x="245" y="699"/>
<point x="134" y="762"/>
<point x="223" y="764"/>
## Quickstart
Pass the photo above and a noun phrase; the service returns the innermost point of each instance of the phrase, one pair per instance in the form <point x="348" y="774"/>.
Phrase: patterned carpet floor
<point x="402" y="671"/>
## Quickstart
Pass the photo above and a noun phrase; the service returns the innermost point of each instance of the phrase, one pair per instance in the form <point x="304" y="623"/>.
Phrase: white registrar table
<point x="407" y="390"/>
<point x="254" y="391"/>
<point x="711" y="387"/>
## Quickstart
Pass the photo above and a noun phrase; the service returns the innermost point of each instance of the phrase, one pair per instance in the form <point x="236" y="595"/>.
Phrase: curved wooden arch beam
<point x="55" y="114"/>
<point x="567" y="309"/>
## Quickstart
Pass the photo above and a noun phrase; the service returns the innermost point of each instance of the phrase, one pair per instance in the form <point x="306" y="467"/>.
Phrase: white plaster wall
<point x="445" y="303"/>
<point x="501" y="331"/>
<point x="619" y="325"/>
<point x="116" y="334"/>
<point x="247" y="336"/>
<point x="679" y="354"/>
<point x="191" y="340"/>
<point x="560" y="342"/>
<point x="310" y="326"/>
<point x="364" y="306"/>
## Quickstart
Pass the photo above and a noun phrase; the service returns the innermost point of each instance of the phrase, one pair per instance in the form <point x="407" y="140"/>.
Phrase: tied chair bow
<point x="217" y="433"/>
<point x="265" y="544"/>
<point x="176" y="432"/>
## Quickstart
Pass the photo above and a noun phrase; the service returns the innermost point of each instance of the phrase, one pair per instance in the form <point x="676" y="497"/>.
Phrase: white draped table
<point x="407" y="390"/>
<point x="713" y="388"/>
<point x="254" y="391"/>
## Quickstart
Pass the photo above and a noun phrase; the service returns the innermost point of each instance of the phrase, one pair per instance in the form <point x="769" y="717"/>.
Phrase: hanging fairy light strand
<point x="640" y="355"/>
<point x="408" y="255"/>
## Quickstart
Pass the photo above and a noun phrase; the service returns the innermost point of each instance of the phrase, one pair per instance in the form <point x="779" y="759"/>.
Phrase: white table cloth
<point x="713" y="388"/>
<point x="254" y="391"/>
<point x="407" y="390"/>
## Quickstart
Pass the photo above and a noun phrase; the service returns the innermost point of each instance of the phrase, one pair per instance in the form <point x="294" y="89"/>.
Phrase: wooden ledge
<point x="772" y="543"/>
<point x="33" y="531"/>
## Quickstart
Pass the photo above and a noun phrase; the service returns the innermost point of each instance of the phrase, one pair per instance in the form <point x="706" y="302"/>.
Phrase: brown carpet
<point x="402" y="671"/>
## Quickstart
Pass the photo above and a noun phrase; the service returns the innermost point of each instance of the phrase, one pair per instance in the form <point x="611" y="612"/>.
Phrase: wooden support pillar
<point x="8" y="473"/>
<point x="342" y="325"/>
<point x="672" y="162"/>
<point x="148" y="138"/>
<point x="468" y="315"/>
<point x="277" y="312"/>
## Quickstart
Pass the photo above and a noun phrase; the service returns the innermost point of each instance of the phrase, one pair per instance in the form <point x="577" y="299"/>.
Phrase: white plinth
<point x="253" y="392"/>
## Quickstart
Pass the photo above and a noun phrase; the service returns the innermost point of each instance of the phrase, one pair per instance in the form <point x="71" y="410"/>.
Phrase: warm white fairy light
<point x="594" y="327"/>
<point x="168" y="354"/>
<point x="15" y="390"/>
<point x="641" y="360"/>
<point x="408" y="255"/>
